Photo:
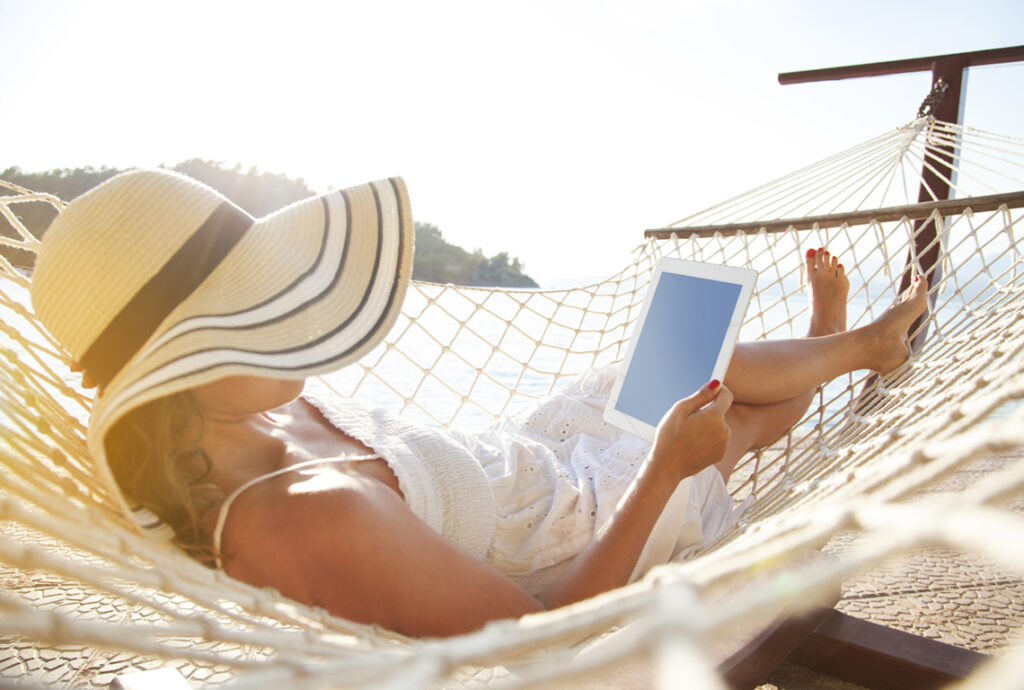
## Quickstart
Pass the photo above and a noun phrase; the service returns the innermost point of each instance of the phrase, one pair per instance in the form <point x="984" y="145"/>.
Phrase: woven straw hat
<point x="157" y="283"/>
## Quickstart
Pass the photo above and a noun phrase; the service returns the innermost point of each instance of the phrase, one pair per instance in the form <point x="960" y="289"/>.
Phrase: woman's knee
<point x="744" y="425"/>
<point x="758" y="426"/>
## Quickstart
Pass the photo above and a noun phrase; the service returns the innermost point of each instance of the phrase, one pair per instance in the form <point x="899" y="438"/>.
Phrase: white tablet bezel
<point x="744" y="277"/>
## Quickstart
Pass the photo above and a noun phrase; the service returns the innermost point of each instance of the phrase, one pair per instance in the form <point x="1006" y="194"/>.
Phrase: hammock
<point x="83" y="597"/>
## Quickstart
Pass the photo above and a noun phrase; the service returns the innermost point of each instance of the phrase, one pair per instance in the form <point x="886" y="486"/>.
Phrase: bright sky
<point x="556" y="131"/>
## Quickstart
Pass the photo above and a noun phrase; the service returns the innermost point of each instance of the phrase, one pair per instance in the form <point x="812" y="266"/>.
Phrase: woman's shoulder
<point x="286" y="527"/>
<point x="354" y="548"/>
<point x="319" y="544"/>
<point x="298" y="503"/>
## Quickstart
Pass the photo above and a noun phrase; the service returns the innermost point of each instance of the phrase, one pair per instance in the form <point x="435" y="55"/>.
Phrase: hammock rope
<point x="83" y="597"/>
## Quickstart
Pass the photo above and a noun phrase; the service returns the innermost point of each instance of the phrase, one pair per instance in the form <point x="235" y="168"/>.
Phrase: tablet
<point x="683" y="338"/>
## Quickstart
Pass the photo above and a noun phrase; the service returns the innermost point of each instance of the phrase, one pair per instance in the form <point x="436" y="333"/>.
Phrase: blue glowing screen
<point x="678" y="344"/>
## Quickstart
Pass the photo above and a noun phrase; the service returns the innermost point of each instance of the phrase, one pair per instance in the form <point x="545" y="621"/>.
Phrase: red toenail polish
<point x="810" y="253"/>
<point x="714" y="383"/>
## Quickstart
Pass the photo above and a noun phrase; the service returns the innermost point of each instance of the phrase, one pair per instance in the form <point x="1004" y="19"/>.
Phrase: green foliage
<point x="437" y="261"/>
<point x="261" y="193"/>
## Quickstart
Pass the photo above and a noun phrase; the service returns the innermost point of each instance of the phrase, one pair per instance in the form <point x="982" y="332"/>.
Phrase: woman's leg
<point x="758" y="426"/>
<point x="774" y="381"/>
<point x="774" y="371"/>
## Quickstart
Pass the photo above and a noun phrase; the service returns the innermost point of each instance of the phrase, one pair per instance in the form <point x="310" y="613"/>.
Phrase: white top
<point x="443" y="484"/>
<point x="528" y="493"/>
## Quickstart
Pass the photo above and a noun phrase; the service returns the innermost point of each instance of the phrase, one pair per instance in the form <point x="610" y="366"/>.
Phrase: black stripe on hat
<point x="375" y="275"/>
<point x="306" y="300"/>
<point x="378" y="273"/>
<point x="169" y="287"/>
<point x="394" y="273"/>
<point x="290" y="290"/>
<point x="396" y="277"/>
<point x="295" y="287"/>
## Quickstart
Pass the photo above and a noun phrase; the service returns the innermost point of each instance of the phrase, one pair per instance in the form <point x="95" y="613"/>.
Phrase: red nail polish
<point x="810" y="253"/>
<point x="714" y="383"/>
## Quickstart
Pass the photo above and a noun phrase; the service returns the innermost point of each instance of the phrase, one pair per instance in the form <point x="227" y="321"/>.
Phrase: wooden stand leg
<point x="882" y="658"/>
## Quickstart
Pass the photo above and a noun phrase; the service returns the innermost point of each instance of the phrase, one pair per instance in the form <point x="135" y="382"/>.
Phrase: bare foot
<point x="888" y="333"/>
<point x="828" y="288"/>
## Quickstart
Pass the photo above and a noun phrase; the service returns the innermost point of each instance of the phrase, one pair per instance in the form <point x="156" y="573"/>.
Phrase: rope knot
<point x="931" y="102"/>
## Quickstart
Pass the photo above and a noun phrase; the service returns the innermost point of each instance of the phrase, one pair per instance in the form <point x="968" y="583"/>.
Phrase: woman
<point x="200" y="323"/>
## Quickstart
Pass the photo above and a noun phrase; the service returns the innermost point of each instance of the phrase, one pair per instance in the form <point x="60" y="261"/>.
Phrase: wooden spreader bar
<point x="920" y="64"/>
<point x="978" y="204"/>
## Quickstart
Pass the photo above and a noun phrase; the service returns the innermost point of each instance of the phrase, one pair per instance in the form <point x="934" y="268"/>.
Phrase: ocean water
<point x="781" y="311"/>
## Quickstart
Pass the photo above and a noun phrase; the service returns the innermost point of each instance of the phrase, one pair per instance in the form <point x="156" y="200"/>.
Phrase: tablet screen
<point x="684" y="338"/>
<point x="678" y="344"/>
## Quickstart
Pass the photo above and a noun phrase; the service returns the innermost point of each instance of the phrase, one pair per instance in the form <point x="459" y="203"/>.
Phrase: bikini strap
<point x="222" y="512"/>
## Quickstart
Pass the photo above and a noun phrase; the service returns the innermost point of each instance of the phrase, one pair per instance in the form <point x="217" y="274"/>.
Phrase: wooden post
<point x="936" y="179"/>
<point x="937" y="171"/>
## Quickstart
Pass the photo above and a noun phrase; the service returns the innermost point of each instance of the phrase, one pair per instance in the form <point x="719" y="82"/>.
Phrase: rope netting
<point x="84" y="597"/>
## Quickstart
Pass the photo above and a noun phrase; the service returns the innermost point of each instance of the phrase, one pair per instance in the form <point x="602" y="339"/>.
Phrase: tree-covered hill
<point x="438" y="261"/>
<point x="261" y="193"/>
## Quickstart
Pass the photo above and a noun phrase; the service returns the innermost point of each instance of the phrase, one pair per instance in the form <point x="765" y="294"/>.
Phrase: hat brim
<point x="308" y="290"/>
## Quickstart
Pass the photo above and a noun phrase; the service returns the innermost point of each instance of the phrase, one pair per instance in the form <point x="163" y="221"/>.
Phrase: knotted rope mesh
<point x="84" y="597"/>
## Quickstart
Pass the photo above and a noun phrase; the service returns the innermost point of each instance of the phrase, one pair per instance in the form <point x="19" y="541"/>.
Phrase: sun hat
<point x="156" y="283"/>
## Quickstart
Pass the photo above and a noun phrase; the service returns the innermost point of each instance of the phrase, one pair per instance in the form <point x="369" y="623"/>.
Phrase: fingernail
<point x="810" y="253"/>
<point x="713" y="384"/>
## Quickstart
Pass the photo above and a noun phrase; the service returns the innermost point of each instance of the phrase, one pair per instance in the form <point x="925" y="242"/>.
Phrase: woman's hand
<point x="691" y="436"/>
<point x="694" y="433"/>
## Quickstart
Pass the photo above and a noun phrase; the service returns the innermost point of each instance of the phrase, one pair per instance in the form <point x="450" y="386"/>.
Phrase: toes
<point x="918" y="287"/>
<point x="816" y="258"/>
<point x="821" y="259"/>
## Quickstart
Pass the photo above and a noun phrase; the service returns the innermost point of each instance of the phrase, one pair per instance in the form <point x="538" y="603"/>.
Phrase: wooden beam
<point x="882" y="658"/>
<point x="978" y="204"/>
<point x="936" y="179"/>
<point x="748" y="667"/>
<point x="920" y="64"/>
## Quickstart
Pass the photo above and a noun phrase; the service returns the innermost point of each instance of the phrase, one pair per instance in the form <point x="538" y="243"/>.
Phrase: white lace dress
<point x="558" y="471"/>
<point x="529" y="492"/>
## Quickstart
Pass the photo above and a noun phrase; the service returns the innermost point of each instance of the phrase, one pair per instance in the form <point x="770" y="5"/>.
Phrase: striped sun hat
<point x="156" y="283"/>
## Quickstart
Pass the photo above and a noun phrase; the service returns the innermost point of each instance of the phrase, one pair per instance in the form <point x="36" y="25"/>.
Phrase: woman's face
<point x="245" y="395"/>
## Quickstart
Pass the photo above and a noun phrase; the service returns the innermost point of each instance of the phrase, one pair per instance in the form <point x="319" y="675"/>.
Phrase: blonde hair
<point x="154" y="455"/>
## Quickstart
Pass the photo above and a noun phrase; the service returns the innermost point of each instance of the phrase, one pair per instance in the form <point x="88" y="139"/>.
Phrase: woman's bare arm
<point x="356" y="549"/>
<point x="689" y="438"/>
